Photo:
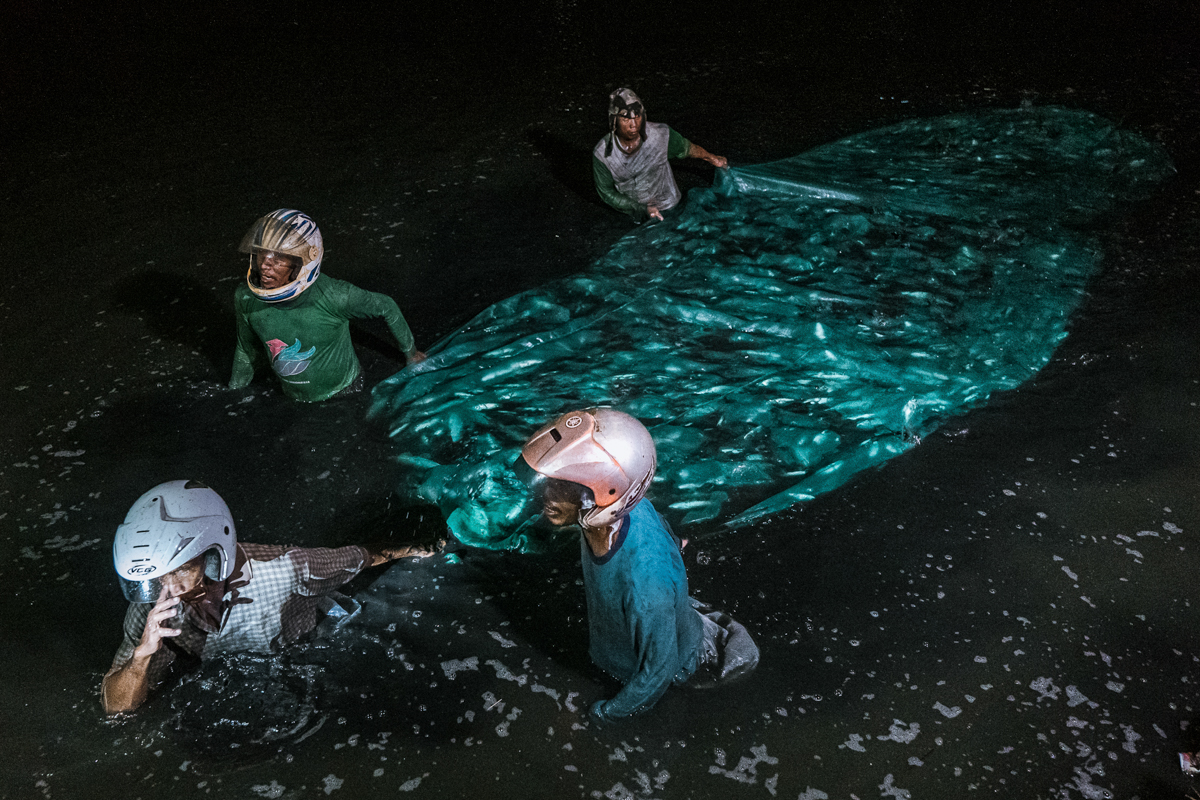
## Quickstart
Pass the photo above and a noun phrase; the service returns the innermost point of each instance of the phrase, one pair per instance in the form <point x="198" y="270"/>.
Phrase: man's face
<point x="629" y="128"/>
<point x="275" y="270"/>
<point x="185" y="579"/>
<point x="561" y="504"/>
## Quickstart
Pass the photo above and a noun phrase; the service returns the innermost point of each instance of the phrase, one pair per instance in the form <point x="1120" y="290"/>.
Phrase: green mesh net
<point x="799" y="322"/>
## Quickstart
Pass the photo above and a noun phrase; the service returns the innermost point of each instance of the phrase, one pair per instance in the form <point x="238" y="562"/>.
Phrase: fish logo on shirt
<point x="287" y="359"/>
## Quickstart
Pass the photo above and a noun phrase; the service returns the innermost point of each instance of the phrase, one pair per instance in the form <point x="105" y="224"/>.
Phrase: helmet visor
<point x="147" y="591"/>
<point x="550" y="496"/>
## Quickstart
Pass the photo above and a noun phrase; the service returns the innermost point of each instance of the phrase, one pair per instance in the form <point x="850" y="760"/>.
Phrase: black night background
<point x="445" y="152"/>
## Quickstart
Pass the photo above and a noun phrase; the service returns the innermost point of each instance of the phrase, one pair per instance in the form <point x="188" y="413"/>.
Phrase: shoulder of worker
<point x="601" y="146"/>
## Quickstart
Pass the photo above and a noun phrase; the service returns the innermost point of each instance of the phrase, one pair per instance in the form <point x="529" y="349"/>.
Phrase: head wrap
<point x="623" y="103"/>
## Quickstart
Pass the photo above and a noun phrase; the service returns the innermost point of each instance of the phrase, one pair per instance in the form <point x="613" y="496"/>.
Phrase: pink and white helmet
<point x="604" y="450"/>
<point x="292" y="233"/>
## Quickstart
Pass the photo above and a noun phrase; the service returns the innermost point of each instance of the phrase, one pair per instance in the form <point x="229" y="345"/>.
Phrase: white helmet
<point x="294" y="234"/>
<point x="604" y="450"/>
<point x="166" y="528"/>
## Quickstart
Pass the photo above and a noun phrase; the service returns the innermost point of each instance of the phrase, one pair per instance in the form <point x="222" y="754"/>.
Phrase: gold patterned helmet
<point x="289" y="232"/>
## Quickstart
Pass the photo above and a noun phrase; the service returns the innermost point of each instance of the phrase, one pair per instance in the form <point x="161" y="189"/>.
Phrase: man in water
<point x="196" y="592"/>
<point x="630" y="163"/>
<point x="290" y="317"/>
<point x="591" y="468"/>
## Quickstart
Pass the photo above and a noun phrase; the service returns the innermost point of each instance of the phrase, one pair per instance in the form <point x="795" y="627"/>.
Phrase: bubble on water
<point x="889" y="789"/>
<point x="902" y="732"/>
<point x="854" y="743"/>
<point x="452" y="668"/>
<point x="270" y="791"/>
<point x="1045" y="688"/>
<point x="332" y="783"/>
<point x="1082" y="783"/>
<point x="948" y="712"/>
<point x="506" y="643"/>
<point x="412" y="783"/>
<point x="503" y="672"/>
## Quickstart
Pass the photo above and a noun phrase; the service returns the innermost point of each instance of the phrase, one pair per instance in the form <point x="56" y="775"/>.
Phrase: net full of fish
<point x="795" y="324"/>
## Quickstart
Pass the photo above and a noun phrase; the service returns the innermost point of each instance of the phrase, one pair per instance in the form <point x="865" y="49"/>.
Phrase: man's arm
<point x="680" y="147"/>
<point x="323" y="569"/>
<point x="383" y="553"/>
<point x="657" y="653"/>
<point x="696" y="151"/>
<point x="127" y="684"/>
<point x="606" y="187"/>
<point x="361" y="304"/>
<point x="247" y="355"/>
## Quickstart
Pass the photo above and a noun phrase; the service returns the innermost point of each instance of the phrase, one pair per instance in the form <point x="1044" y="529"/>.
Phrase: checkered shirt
<point x="271" y="600"/>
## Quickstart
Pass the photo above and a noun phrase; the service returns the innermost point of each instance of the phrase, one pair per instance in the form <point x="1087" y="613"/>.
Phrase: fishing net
<point x="797" y="323"/>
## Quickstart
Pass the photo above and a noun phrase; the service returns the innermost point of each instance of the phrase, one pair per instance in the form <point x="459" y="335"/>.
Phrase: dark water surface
<point x="1005" y="610"/>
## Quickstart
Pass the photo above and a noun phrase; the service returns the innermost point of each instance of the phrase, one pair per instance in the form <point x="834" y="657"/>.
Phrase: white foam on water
<point x="506" y="643"/>
<point x="412" y="783"/>
<point x="505" y="674"/>
<point x="904" y="733"/>
<point x="854" y="743"/>
<point x="1045" y="688"/>
<point x="452" y="668"/>
<point x="948" y="713"/>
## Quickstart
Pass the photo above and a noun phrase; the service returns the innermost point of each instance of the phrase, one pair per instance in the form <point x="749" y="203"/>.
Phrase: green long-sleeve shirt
<point x="306" y="340"/>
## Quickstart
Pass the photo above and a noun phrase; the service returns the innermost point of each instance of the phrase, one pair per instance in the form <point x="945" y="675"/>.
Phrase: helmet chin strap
<point x="600" y="540"/>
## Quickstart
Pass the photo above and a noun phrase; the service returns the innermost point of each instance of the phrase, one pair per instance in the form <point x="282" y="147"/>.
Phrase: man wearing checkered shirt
<point x="214" y="595"/>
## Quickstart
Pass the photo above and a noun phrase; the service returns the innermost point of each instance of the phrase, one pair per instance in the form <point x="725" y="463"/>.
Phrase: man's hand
<point x="654" y="213"/>
<point x="156" y="625"/>
<point x="383" y="553"/>
<point x="125" y="687"/>
<point x="696" y="151"/>
<point x="598" y="715"/>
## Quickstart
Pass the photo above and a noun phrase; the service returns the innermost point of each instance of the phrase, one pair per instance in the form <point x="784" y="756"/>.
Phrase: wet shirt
<point x="306" y="340"/>
<point x="642" y="628"/>
<point x="631" y="181"/>
<point x="270" y="600"/>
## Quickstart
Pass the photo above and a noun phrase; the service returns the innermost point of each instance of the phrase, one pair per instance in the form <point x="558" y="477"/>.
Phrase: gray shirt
<point x="643" y="176"/>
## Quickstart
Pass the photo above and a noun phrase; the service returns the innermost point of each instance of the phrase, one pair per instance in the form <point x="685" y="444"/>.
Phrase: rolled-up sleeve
<point x="320" y="570"/>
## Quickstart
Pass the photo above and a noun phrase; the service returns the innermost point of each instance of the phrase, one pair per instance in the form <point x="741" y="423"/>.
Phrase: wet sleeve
<point x="248" y="354"/>
<point x="320" y="570"/>
<point x="361" y="304"/>
<point x="677" y="146"/>
<point x="135" y="623"/>
<point x="654" y="641"/>
<point x="606" y="187"/>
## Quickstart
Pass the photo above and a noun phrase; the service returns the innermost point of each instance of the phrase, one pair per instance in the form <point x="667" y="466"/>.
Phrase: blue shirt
<point x="641" y="624"/>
